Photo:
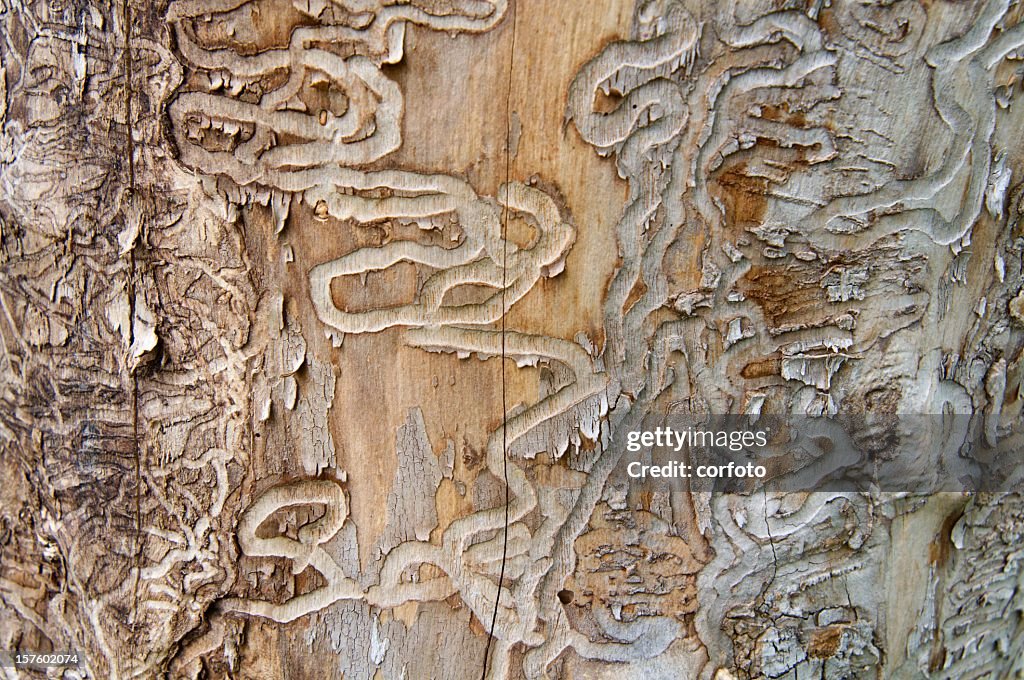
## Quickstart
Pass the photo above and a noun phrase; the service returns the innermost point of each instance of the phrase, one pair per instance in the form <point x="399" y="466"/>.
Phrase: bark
<point x="322" y="323"/>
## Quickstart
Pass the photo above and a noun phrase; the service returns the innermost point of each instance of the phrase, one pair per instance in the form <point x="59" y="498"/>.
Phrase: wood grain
<point x="323" y="322"/>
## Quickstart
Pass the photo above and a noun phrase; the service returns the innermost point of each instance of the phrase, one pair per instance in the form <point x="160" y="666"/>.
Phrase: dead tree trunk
<point x="322" y="323"/>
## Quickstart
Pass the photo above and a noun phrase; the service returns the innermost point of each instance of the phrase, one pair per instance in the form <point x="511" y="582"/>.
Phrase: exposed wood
<point x="322" y="323"/>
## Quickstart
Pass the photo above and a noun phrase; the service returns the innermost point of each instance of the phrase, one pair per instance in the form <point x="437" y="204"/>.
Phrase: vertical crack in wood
<point x="504" y="314"/>
<point x="130" y="142"/>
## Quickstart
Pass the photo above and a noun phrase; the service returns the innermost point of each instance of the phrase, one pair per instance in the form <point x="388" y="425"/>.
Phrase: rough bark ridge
<point x="265" y="286"/>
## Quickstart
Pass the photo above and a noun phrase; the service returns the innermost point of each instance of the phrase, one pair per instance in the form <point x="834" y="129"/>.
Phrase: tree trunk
<point x="324" y="324"/>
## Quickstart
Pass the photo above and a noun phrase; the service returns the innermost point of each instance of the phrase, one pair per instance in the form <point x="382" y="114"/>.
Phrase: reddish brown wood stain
<point x="743" y="197"/>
